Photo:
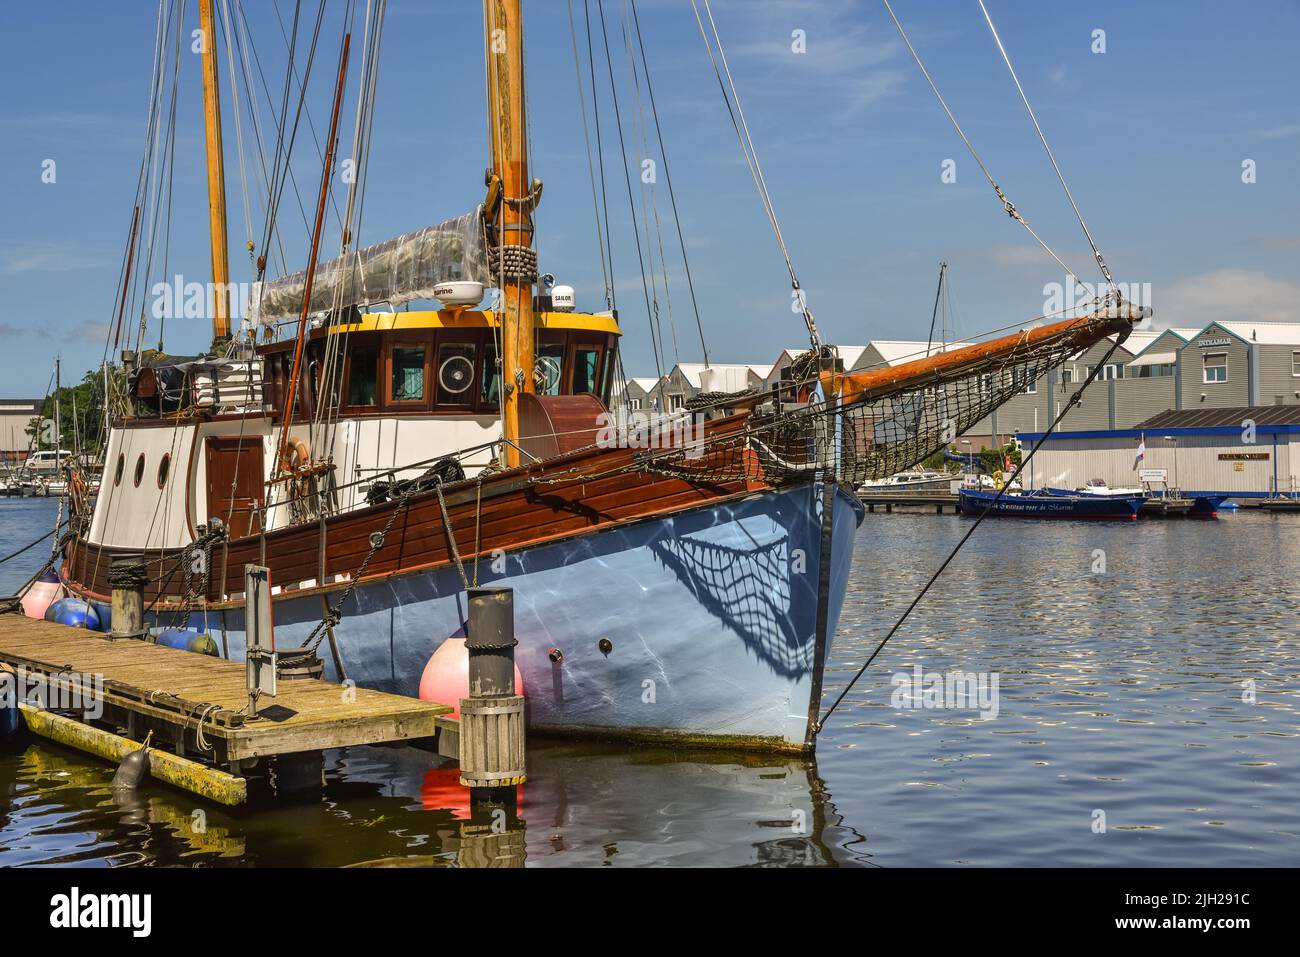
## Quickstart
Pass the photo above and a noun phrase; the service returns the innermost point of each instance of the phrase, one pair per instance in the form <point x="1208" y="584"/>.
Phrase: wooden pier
<point x="195" y="705"/>
<point x="906" y="501"/>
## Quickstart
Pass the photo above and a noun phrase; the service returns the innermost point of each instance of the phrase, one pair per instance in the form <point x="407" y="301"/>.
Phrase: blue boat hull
<point x="711" y="613"/>
<point x="1050" y="504"/>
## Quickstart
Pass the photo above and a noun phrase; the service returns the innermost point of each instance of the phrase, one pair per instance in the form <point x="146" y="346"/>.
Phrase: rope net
<point x="876" y="424"/>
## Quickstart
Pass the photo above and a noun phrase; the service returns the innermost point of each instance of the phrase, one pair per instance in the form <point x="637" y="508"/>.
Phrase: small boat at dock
<point x="1042" y="503"/>
<point x="1164" y="502"/>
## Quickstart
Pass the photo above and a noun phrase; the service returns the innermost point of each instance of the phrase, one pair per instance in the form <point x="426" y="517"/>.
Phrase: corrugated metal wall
<point x="1276" y="378"/>
<point x="1070" y="463"/>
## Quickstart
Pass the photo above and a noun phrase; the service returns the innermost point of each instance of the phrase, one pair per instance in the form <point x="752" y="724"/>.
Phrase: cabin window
<point x="407" y="380"/>
<point x="1216" y="367"/>
<point x="586" y="364"/>
<point x="490" y="378"/>
<point x="456" y="373"/>
<point x="139" y="469"/>
<point x="549" y="366"/>
<point x="164" y="467"/>
<point x="362" y="379"/>
<point x="117" y="472"/>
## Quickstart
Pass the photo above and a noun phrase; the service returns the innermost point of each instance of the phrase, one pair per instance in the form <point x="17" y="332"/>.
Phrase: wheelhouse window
<point x="549" y="366"/>
<point x="489" y="395"/>
<point x="456" y="361"/>
<point x="1216" y="367"/>
<point x="586" y="369"/>
<point x="363" y="379"/>
<point x="407" y="365"/>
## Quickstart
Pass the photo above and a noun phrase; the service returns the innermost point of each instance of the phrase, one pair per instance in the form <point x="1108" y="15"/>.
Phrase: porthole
<point x="117" y="472"/>
<point x="163" y="468"/>
<point x="139" y="469"/>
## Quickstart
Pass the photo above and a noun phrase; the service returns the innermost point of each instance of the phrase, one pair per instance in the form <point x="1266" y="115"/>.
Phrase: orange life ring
<point x="297" y="454"/>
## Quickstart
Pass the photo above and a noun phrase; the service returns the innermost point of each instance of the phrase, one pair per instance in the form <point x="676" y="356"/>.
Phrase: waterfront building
<point x="15" y="418"/>
<point x="1245" y="452"/>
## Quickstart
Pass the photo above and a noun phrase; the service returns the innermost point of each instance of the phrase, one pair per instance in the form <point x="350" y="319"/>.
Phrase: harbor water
<point x="1137" y="705"/>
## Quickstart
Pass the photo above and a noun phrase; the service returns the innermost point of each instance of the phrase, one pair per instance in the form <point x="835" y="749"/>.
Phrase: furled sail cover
<point x="395" y="271"/>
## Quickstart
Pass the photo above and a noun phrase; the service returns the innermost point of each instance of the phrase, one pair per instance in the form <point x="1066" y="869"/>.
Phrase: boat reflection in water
<point x="584" y="805"/>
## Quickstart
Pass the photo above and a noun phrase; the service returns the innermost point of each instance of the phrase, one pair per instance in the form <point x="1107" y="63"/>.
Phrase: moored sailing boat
<point x="381" y="463"/>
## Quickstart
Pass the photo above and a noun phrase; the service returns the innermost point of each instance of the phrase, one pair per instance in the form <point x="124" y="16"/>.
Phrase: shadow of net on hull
<point x="750" y="591"/>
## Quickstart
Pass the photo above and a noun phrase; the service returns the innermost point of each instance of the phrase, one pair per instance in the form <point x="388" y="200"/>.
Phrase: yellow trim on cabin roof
<point x="474" y="319"/>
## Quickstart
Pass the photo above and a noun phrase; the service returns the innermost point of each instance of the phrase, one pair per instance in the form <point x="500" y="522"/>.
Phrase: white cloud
<point x="1227" y="294"/>
<point x="29" y="257"/>
<point x="847" y="63"/>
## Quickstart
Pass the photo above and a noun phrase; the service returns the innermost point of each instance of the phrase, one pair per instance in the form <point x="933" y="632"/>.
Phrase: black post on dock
<point x="127" y="576"/>
<point x="492" y="759"/>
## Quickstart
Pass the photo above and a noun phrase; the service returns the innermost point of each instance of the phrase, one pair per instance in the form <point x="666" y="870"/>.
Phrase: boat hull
<point x="711" y="613"/>
<point x="972" y="502"/>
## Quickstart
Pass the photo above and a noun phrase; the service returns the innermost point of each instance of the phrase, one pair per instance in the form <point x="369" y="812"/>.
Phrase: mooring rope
<point x="1073" y="401"/>
<point x="33" y="544"/>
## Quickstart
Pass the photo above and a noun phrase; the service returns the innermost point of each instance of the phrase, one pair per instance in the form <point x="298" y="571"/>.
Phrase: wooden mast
<point x="507" y="120"/>
<point x="216" y="175"/>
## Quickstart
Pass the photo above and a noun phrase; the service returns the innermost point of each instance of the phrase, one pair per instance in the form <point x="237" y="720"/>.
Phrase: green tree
<point x="82" y="432"/>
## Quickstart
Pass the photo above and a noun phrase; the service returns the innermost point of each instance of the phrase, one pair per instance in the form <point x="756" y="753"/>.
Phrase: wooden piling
<point x="492" y="758"/>
<point x="127" y="576"/>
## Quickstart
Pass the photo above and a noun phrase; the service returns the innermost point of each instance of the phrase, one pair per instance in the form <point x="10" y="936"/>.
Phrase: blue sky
<point x="1151" y="136"/>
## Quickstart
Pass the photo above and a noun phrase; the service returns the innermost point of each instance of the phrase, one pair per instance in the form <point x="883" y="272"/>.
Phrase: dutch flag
<point x="1141" y="452"/>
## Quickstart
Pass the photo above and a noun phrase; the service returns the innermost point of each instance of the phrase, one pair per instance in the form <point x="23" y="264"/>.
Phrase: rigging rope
<point x="668" y="178"/>
<point x="627" y="176"/>
<point x="1101" y="263"/>
<point x="591" y="169"/>
<point x="751" y="159"/>
<point x="1009" y="206"/>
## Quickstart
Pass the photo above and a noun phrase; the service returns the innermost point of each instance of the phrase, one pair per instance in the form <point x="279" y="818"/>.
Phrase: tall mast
<point x="58" y="419"/>
<point x="216" y="175"/>
<point x="508" y="123"/>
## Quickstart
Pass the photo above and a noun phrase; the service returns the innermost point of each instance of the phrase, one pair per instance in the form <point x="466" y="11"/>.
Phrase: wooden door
<point x="235" y="483"/>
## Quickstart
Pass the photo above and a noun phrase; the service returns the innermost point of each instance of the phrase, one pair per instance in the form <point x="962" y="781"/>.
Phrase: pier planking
<point x="166" y="690"/>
